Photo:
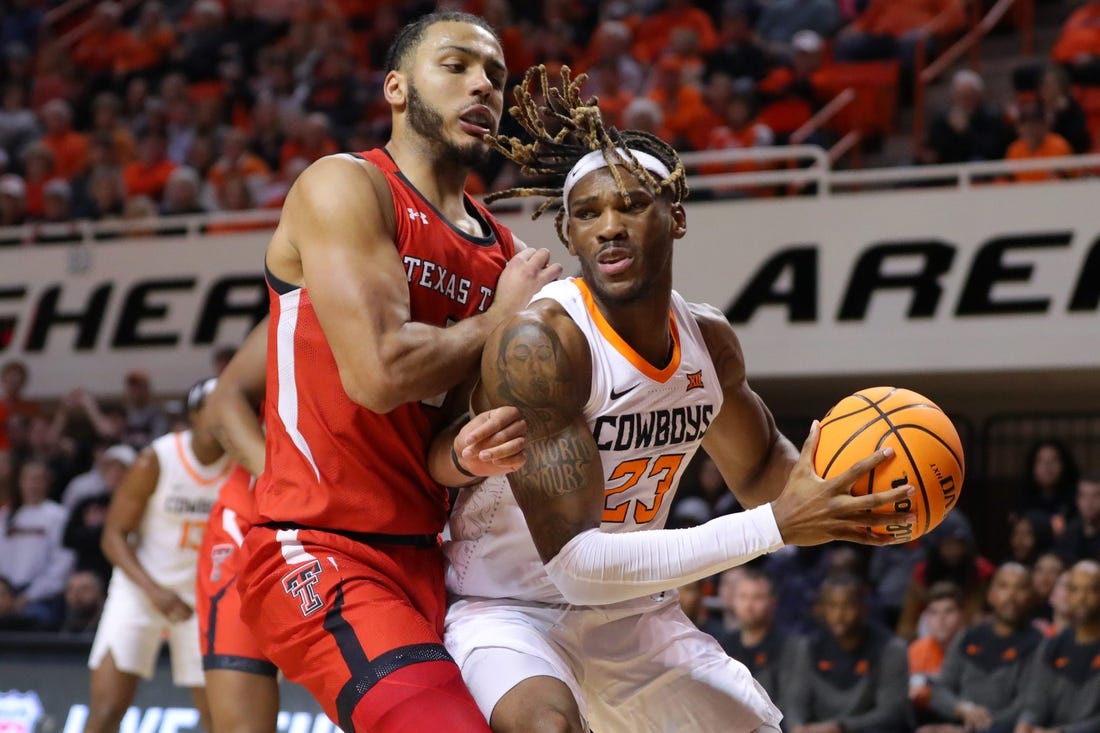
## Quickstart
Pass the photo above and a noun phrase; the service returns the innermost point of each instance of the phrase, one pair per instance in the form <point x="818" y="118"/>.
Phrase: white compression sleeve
<point x="596" y="568"/>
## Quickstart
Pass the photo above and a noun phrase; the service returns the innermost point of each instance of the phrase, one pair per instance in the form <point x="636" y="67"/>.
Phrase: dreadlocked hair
<point x="563" y="129"/>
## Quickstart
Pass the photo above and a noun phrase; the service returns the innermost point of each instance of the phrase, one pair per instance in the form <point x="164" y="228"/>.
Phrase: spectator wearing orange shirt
<point x="100" y="47"/>
<point x="942" y="620"/>
<point x="55" y="75"/>
<point x="147" y="175"/>
<point x="148" y="45"/>
<point x="654" y="32"/>
<point x="739" y="130"/>
<point x="38" y="170"/>
<point x="1078" y="45"/>
<point x="605" y="82"/>
<point x="789" y="94"/>
<point x="1036" y="141"/>
<point x="687" y="121"/>
<point x="69" y="147"/>
<point x="309" y="139"/>
<point x="893" y="28"/>
<point x="237" y="161"/>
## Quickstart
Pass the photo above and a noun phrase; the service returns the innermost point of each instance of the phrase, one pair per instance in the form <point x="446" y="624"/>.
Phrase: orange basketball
<point x="927" y="452"/>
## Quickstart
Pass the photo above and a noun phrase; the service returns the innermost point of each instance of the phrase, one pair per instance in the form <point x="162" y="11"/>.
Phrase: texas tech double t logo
<point x="299" y="583"/>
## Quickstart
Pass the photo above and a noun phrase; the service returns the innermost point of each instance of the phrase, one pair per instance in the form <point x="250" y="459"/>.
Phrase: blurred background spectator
<point x="952" y="556"/>
<point x="1050" y="480"/>
<point x="32" y="559"/>
<point x="980" y="686"/>
<point x="943" y="620"/>
<point x="852" y="675"/>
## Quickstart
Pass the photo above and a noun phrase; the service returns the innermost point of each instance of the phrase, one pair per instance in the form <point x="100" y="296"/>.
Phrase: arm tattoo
<point x="560" y="487"/>
<point x="555" y="466"/>
<point x="533" y="371"/>
<point x="534" y="374"/>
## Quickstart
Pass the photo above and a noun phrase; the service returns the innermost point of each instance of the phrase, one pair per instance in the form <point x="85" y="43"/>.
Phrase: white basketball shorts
<point x="633" y="667"/>
<point x="132" y="630"/>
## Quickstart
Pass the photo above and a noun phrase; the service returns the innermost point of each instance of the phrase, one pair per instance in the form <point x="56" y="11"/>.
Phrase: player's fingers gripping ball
<point x="927" y="452"/>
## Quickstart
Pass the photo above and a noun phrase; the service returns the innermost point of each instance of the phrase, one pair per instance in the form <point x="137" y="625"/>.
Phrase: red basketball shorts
<point x="226" y="642"/>
<point x="360" y="626"/>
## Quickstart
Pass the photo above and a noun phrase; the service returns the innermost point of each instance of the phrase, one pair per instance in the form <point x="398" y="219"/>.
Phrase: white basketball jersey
<point x="170" y="534"/>
<point x="647" y="423"/>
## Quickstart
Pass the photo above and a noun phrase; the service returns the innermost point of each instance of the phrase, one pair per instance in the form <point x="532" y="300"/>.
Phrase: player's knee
<point x="105" y="716"/>
<point x="543" y="720"/>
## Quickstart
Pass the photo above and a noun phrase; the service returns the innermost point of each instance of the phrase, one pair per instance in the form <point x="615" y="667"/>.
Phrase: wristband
<point x="463" y="471"/>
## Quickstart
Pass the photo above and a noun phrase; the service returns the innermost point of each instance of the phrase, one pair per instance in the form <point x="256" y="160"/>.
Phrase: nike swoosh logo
<point x="616" y="395"/>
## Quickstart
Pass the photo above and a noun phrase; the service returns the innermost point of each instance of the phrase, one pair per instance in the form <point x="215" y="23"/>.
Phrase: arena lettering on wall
<point x="993" y="278"/>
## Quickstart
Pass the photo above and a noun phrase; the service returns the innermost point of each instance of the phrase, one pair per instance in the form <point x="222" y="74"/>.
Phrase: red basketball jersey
<point x="331" y="463"/>
<point x="236" y="494"/>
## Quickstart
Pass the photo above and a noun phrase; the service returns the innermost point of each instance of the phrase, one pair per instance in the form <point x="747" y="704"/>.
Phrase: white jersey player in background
<point x="152" y="535"/>
<point x="563" y="616"/>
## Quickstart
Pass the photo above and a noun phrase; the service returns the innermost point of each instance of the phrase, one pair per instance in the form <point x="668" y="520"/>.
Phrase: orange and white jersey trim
<point x="647" y="422"/>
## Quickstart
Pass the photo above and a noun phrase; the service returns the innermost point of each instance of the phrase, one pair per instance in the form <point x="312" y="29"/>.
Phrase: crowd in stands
<point x="120" y="111"/>
<point x="931" y="633"/>
<point x="185" y="107"/>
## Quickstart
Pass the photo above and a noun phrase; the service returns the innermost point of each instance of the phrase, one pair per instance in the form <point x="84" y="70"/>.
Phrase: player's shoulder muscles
<point x="338" y="194"/>
<point x="538" y="361"/>
<point x="722" y="343"/>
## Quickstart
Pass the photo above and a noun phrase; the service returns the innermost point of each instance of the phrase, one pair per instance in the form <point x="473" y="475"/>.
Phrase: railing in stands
<point x="814" y="176"/>
<point x="925" y="73"/>
<point x="84" y="28"/>
<point x="823" y="116"/>
<point x="847" y="144"/>
<point x="62" y="11"/>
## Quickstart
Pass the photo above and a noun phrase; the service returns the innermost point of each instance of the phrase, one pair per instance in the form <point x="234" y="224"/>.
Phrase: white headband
<point x="595" y="160"/>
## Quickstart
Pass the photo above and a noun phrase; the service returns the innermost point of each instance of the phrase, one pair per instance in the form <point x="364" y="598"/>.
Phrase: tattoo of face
<point x="532" y="368"/>
<point x="534" y="374"/>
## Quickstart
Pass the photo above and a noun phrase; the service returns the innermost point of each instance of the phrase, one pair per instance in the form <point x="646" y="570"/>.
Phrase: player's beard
<point x="427" y="122"/>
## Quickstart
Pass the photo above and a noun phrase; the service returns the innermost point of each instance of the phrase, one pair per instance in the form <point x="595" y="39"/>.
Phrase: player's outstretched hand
<point x="812" y="511"/>
<point x="492" y="443"/>
<point x="523" y="276"/>
<point x="171" y="605"/>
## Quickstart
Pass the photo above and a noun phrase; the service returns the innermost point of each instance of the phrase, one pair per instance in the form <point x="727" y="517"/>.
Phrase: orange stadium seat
<point x="876" y="87"/>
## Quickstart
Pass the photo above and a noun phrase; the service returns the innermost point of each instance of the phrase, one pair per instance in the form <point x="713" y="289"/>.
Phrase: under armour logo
<point x="299" y="583"/>
<point x="695" y="380"/>
<point x="414" y="215"/>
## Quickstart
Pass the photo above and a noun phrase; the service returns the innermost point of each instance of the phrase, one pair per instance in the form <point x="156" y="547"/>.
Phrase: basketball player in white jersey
<point x="153" y="531"/>
<point x="563" y="617"/>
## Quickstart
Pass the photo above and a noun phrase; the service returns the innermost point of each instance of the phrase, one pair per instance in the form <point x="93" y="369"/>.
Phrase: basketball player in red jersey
<point x="385" y="280"/>
<point x="242" y="689"/>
